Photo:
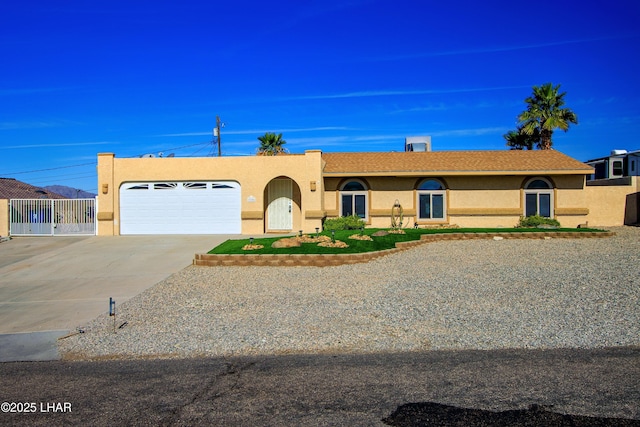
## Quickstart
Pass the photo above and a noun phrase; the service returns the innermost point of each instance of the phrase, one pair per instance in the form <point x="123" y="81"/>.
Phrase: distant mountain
<point x="69" y="192"/>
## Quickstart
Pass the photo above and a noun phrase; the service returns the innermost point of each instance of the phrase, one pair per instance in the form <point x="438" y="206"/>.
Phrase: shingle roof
<point x="11" y="188"/>
<point x="505" y="162"/>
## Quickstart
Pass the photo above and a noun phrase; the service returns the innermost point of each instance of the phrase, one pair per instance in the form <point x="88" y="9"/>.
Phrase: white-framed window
<point x="431" y="200"/>
<point x="354" y="199"/>
<point x="194" y="185"/>
<point x="165" y="186"/>
<point x="617" y="169"/>
<point x="538" y="198"/>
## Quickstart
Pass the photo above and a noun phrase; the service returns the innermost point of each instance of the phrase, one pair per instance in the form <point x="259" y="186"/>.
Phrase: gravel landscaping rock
<point x="476" y="294"/>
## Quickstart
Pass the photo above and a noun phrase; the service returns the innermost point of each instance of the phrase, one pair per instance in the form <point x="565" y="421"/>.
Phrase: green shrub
<point x="352" y="222"/>
<point x="536" y="221"/>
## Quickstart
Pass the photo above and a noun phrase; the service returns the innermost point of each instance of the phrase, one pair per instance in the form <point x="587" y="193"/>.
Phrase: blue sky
<point x="83" y="77"/>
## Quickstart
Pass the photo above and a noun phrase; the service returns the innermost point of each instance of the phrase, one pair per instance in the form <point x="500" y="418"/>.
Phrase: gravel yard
<point x="477" y="294"/>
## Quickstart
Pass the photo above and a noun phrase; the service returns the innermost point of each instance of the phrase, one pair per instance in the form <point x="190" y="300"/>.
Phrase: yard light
<point x="333" y="236"/>
<point x="112" y="312"/>
<point x="251" y="240"/>
<point x="300" y="233"/>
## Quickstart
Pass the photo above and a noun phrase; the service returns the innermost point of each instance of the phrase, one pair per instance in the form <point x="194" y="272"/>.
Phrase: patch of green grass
<point x="355" y="246"/>
<point x="358" y="246"/>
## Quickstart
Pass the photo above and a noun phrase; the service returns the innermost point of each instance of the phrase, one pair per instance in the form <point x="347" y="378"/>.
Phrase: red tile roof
<point x="505" y="162"/>
<point x="11" y="188"/>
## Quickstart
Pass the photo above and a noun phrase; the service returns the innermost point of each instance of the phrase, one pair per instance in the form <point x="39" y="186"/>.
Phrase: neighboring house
<point x="11" y="188"/>
<point x="615" y="178"/>
<point x="284" y="193"/>
<point x="619" y="164"/>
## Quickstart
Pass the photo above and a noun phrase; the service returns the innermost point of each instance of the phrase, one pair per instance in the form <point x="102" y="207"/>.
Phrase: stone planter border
<point x="328" y="260"/>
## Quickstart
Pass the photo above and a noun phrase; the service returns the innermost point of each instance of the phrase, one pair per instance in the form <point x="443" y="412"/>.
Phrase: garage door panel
<point x="211" y="207"/>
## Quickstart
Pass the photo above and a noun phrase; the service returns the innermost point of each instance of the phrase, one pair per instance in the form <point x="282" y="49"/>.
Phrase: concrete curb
<point x="320" y="260"/>
<point x="30" y="346"/>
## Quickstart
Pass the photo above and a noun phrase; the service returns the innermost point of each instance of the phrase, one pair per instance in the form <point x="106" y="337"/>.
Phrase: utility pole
<point x="216" y="132"/>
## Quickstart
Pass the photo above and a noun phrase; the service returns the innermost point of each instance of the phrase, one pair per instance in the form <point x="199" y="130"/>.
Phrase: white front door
<point x="279" y="211"/>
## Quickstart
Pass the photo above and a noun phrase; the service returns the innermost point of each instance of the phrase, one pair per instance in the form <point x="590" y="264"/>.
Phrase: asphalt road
<point x="354" y="390"/>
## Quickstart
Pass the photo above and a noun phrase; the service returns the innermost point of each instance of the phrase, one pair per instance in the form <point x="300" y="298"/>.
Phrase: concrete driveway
<point x="51" y="285"/>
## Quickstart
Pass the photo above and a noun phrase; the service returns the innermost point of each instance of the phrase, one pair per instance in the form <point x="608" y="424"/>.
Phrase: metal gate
<point x="52" y="217"/>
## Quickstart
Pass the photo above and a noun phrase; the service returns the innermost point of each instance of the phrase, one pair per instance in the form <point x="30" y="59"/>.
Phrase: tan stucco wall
<point x="252" y="173"/>
<point x="608" y="204"/>
<point x="471" y="201"/>
<point x="4" y="217"/>
<point x="106" y="196"/>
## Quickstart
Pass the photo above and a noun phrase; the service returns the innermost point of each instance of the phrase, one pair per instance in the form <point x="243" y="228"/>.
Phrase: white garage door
<point x="198" y="207"/>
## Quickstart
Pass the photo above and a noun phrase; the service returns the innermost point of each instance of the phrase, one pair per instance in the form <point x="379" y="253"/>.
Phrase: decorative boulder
<point x="291" y="242"/>
<point x="380" y="233"/>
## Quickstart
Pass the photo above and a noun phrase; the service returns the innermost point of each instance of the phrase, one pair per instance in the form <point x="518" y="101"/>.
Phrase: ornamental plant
<point x="536" y="221"/>
<point x="352" y="222"/>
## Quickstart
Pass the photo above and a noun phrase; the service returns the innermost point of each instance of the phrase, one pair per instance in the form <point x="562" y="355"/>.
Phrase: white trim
<point x="537" y="192"/>
<point x="431" y="193"/>
<point x="353" y="195"/>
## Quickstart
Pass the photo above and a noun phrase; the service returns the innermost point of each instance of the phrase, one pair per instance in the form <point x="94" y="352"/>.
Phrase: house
<point x="284" y="193"/>
<point x="616" y="178"/>
<point x="619" y="164"/>
<point x="11" y="188"/>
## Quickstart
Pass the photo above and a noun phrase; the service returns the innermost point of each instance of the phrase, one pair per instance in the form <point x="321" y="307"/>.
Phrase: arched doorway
<point x="282" y="205"/>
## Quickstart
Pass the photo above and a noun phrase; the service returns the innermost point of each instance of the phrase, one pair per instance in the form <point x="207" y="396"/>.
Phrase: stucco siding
<point x="484" y="199"/>
<point x="252" y="173"/>
<point x="4" y="217"/>
<point x="471" y="201"/>
<point x="483" y="221"/>
<point x="499" y="183"/>
<point x="613" y="205"/>
<point x="487" y="199"/>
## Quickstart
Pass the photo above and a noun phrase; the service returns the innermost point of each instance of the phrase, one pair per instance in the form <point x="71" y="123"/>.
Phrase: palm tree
<point x="545" y="113"/>
<point x="518" y="140"/>
<point x="271" y="144"/>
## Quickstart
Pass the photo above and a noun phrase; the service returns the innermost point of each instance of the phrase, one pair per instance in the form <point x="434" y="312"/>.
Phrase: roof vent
<point x="417" y="143"/>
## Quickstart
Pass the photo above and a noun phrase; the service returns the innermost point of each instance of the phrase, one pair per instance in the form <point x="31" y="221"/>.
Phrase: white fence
<point x="52" y="217"/>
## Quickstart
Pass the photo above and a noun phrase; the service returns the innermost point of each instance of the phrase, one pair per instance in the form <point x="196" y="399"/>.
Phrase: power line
<point x="174" y="148"/>
<point x="54" y="177"/>
<point x="60" y="178"/>
<point x="200" y="149"/>
<point x="48" y="169"/>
